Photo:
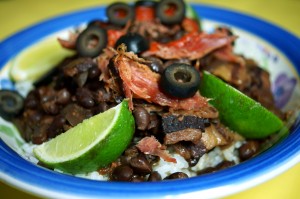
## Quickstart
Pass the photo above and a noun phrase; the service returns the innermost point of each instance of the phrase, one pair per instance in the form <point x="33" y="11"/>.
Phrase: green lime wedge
<point x="35" y="61"/>
<point x="90" y="145"/>
<point x="239" y="112"/>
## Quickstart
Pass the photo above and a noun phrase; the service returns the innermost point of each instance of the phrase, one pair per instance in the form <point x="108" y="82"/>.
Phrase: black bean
<point x="50" y="107"/>
<point x="131" y="152"/>
<point x="155" y="124"/>
<point x="47" y="119"/>
<point x="85" y="98"/>
<point x="87" y="102"/>
<point x="248" y="149"/>
<point x="75" y="113"/>
<point x="57" y="126"/>
<point x="140" y="165"/>
<point x="122" y="173"/>
<point x="101" y="107"/>
<point x="142" y="118"/>
<point x="32" y="100"/>
<point x="124" y="160"/>
<point x="155" y="64"/>
<point x="63" y="96"/>
<point x="103" y="95"/>
<point x="58" y="122"/>
<point x="196" y="152"/>
<point x="152" y="159"/>
<point x="94" y="72"/>
<point x="39" y="135"/>
<point x="154" y="176"/>
<point x="33" y="116"/>
<point x="176" y="175"/>
<point x="27" y="133"/>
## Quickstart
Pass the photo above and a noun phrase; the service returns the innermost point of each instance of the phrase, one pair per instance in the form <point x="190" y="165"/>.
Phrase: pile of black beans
<point x="72" y="94"/>
<point x="135" y="166"/>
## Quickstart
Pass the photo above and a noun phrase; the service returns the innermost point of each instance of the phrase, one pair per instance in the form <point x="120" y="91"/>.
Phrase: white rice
<point x="28" y="152"/>
<point x="210" y="159"/>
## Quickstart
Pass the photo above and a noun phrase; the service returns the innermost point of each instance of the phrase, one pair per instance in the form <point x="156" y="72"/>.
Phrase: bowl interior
<point x="257" y="40"/>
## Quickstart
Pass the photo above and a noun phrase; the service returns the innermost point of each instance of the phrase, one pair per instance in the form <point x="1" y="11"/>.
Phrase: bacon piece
<point x="139" y="81"/>
<point x="192" y="46"/>
<point x="153" y="29"/>
<point x="189" y="134"/>
<point x="150" y="145"/>
<point x="226" y="54"/>
<point x="103" y="61"/>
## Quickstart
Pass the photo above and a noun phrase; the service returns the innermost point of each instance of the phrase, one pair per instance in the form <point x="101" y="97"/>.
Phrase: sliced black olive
<point x="119" y="13"/>
<point x="134" y="42"/>
<point x="170" y="12"/>
<point x="11" y="104"/>
<point x="180" y="80"/>
<point x="91" y="41"/>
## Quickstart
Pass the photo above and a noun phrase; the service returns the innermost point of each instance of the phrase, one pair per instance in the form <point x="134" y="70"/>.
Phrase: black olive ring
<point x="83" y="46"/>
<point x="180" y="80"/>
<point x="177" y="15"/>
<point x="119" y="13"/>
<point x="11" y="104"/>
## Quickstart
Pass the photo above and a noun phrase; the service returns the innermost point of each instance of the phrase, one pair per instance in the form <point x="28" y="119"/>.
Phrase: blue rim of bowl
<point x="18" y="171"/>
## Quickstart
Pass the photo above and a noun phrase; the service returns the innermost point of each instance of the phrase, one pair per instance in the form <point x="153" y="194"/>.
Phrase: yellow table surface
<point x="18" y="14"/>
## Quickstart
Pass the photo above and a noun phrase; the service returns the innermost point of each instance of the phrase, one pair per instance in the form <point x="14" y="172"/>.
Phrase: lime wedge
<point x="90" y="145"/>
<point x="35" y="61"/>
<point x="239" y="112"/>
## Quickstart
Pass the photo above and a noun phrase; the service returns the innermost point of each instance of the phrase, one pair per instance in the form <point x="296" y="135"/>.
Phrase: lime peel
<point x="92" y="144"/>
<point x="238" y="111"/>
<point x="35" y="61"/>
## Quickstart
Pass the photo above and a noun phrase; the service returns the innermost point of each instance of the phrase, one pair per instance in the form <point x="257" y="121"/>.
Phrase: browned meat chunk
<point x="190" y="152"/>
<point x="193" y="135"/>
<point x="174" y="122"/>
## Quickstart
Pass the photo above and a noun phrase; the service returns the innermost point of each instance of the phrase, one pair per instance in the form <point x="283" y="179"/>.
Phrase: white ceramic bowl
<point x="275" y="50"/>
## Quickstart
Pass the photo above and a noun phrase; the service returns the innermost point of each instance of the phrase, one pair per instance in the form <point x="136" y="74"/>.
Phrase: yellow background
<point x="17" y="14"/>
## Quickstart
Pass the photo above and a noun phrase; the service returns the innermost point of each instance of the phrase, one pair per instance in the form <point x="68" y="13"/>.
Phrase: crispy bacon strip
<point x="150" y="145"/>
<point x="226" y="54"/>
<point x="192" y="46"/>
<point x="103" y="61"/>
<point x="139" y="81"/>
